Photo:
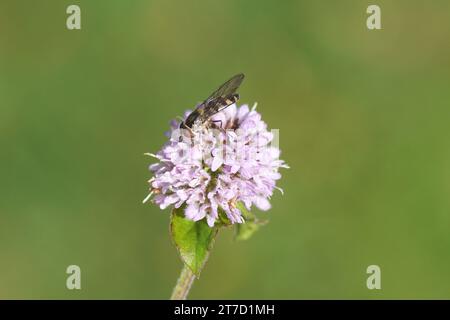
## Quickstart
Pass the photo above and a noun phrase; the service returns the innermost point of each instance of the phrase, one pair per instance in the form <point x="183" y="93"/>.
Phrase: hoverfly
<point x="223" y="97"/>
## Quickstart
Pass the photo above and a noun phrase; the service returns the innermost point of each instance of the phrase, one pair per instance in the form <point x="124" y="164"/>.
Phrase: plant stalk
<point x="183" y="285"/>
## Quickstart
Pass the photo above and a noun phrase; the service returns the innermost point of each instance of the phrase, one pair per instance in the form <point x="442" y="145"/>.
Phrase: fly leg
<point x="215" y="121"/>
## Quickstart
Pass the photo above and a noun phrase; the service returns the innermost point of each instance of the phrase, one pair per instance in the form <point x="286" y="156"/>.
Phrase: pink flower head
<point x="211" y="168"/>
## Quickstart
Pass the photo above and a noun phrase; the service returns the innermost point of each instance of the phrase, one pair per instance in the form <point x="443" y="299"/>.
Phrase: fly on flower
<point x="223" y="97"/>
<point x="220" y="173"/>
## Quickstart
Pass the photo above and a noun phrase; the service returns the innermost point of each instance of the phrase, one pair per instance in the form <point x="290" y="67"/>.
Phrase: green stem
<point x="183" y="285"/>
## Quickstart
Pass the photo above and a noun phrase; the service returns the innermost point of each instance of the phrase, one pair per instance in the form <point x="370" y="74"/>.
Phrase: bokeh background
<point x="364" y="124"/>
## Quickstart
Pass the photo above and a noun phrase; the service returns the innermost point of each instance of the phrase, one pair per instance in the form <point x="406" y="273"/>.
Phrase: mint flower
<point x="212" y="169"/>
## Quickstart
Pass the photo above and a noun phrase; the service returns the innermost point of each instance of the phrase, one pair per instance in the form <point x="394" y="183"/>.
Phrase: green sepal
<point x="245" y="231"/>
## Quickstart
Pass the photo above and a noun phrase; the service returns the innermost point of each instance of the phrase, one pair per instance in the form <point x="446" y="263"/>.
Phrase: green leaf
<point x="245" y="231"/>
<point x="193" y="239"/>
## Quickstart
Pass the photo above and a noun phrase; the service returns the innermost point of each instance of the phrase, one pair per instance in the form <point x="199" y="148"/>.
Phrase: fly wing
<point x="227" y="88"/>
<point x="220" y="99"/>
<point x="218" y="104"/>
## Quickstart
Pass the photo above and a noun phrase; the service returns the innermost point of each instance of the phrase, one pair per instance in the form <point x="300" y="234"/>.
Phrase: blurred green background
<point x="364" y="124"/>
